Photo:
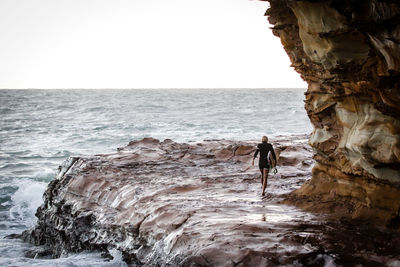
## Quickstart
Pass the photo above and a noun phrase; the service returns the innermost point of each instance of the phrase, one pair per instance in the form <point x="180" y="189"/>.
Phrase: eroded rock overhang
<point x="349" y="54"/>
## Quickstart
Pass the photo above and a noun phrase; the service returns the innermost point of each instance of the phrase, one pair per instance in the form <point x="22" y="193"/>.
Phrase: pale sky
<point x="140" y="44"/>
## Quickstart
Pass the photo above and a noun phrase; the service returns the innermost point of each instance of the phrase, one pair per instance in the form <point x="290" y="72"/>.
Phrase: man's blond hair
<point x="264" y="139"/>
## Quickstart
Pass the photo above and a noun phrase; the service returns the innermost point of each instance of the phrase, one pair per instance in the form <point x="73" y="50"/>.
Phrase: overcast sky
<point x="140" y="44"/>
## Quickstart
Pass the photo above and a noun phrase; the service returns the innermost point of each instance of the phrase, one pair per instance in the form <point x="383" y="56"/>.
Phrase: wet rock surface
<point x="198" y="204"/>
<point x="349" y="54"/>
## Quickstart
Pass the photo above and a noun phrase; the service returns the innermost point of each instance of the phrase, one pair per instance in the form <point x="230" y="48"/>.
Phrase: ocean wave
<point x="26" y="200"/>
<point x="12" y="254"/>
<point x="18" y="166"/>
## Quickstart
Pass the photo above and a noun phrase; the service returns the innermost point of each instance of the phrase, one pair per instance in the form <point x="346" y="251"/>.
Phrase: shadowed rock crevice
<point x="349" y="54"/>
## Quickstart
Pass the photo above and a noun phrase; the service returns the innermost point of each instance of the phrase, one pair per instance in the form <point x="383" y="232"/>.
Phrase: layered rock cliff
<point x="349" y="54"/>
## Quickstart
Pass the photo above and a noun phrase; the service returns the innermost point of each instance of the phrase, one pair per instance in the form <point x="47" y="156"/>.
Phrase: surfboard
<point x="271" y="161"/>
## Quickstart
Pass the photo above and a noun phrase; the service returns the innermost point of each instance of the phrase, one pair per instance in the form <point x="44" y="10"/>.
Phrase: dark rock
<point x="39" y="252"/>
<point x="13" y="236"/>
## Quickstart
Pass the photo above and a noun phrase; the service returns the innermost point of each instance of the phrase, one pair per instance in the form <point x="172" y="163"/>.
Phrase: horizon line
<point x="154" y="88"/>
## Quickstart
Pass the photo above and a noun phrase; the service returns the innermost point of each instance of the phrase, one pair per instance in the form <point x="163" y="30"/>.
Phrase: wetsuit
<point x="264" y="148"/>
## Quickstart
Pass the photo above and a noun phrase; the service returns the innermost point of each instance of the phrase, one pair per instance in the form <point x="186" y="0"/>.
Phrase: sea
<point x="39" y="129"/>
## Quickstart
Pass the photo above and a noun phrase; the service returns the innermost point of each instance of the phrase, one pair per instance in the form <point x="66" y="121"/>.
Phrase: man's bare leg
<point x="262" y="178"/>
<point x="265" y="180"/>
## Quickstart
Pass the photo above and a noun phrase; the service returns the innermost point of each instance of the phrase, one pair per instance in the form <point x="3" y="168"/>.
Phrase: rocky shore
<point x="196" y="204"/>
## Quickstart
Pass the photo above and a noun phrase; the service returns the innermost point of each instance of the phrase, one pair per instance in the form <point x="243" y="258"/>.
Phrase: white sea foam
<point x="12" y="254"/>
<point x="26" y="200"/>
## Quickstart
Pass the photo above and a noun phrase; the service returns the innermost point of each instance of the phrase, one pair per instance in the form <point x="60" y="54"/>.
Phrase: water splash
<point x="26" y="200"/>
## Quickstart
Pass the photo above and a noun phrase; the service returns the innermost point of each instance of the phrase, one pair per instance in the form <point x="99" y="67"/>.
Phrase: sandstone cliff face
<point x="349" y="54"/>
